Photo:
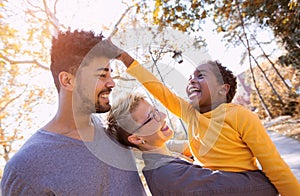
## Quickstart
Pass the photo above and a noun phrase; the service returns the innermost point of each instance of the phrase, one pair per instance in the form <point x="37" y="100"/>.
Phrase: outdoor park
<point x="258" y="40"/>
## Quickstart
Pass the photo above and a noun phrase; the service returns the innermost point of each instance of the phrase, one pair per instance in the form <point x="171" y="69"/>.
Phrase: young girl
<point x="136" y="123"/>
<point x="222" y="135"/>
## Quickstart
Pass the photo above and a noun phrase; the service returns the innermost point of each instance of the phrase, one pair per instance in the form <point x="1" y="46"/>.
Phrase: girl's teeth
<point x="193" y="94"/>
<point x="193" y="89"/>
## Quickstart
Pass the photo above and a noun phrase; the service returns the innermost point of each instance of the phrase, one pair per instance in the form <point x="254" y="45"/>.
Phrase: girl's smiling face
<point x="204" y="91"/>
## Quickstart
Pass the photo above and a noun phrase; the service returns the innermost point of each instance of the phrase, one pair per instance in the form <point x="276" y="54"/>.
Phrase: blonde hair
<point x="119" y="115"/>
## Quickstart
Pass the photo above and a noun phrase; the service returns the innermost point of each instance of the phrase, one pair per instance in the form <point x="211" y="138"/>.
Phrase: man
<point x="72" y="155"/>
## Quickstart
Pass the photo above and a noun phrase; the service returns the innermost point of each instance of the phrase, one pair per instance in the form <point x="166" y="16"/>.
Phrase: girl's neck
<point x="209" y="108"/>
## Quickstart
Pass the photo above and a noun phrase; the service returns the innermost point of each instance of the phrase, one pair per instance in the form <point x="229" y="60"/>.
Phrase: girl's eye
<point x="200" y="76"/>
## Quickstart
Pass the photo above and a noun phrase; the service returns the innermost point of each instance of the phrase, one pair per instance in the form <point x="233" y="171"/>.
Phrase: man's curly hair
<point x="225" y="76"/>
<point x="69" y="49"/>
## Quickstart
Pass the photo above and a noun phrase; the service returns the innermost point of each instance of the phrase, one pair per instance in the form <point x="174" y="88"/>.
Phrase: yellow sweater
<point x="229" y="138"/>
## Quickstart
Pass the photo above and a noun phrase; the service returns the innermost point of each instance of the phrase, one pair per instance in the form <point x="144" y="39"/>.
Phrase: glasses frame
<point x="155" y="114"/>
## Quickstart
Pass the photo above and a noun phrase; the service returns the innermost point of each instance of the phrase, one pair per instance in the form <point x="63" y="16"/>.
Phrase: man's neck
<point x="78" y="128"/>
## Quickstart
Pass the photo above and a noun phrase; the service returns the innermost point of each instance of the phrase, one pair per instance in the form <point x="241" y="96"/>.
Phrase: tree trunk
<point x="250" y="62"/>
<point x="265" y="76"/>
<point x="273" y="65"/>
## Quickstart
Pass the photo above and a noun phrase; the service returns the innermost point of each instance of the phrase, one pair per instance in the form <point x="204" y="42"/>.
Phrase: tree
<point x="283" y="17"/>
<point x="25" y="41"/>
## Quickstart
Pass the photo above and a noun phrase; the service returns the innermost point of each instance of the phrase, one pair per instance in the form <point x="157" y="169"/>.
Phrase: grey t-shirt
<point x="52" y="164"/>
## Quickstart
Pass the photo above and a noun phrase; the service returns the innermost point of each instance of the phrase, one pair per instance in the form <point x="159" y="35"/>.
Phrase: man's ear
<point x="134" y="139"/>
<point x="66" y="80"/>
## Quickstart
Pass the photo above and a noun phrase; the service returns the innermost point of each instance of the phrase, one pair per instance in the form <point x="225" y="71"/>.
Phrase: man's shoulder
<point x="38" y="146"/>
<point x="28" y="151"/>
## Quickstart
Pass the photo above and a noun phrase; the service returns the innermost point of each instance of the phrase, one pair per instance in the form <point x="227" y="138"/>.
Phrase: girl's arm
<point x="257" y="139"/>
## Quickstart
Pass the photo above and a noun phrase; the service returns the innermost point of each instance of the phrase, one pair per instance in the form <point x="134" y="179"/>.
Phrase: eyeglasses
<point x="155" y="114"/>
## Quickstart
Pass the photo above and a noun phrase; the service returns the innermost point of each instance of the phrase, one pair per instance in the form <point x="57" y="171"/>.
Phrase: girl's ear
<point x="134" y="139"/>
<point x="224" y="89"/>
<point x="66" y="80"/>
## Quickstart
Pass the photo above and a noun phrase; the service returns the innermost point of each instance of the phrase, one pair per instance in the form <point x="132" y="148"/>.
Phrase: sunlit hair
<point x="225" y="76"/>
<point x="121" y="108"/>
<point x="69" y="49"/>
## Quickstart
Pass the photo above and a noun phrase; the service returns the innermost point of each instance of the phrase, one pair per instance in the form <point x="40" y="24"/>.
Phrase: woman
<point x="136" y="123"/>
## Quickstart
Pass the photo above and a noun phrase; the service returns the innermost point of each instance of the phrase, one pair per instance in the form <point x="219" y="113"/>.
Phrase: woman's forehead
<point x="144" y="106"/>
<point x="141" y="111"/>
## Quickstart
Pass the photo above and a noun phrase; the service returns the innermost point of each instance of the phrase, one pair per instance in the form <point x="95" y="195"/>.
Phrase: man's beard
<point x="89" y="106"/>
<point x="100" y="108"/>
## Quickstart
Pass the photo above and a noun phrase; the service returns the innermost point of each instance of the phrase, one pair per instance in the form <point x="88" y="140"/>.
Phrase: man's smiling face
<point x="94" y="84"/>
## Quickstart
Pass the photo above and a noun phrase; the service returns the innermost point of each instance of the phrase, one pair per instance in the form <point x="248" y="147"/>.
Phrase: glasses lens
<point x="156" y="115"/>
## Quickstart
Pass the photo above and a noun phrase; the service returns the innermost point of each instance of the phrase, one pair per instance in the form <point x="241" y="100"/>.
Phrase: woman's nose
<point x="163" y="115"/>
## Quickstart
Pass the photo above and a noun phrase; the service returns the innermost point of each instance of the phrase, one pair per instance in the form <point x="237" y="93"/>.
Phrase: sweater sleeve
<point x="255" y="136"/>
<point x="156" y="88"/>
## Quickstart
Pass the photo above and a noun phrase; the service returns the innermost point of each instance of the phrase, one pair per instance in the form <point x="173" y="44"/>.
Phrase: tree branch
<point x="265" y="76"/>
<point x="51" y="16"/>
<point x="119" y="21"/>
<point x="25" y="62"/>
<point x="11" y="100"/>
<point x="250" y="61"/>
<point x="34" y="6"/>
<point x="272" y="64"/>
